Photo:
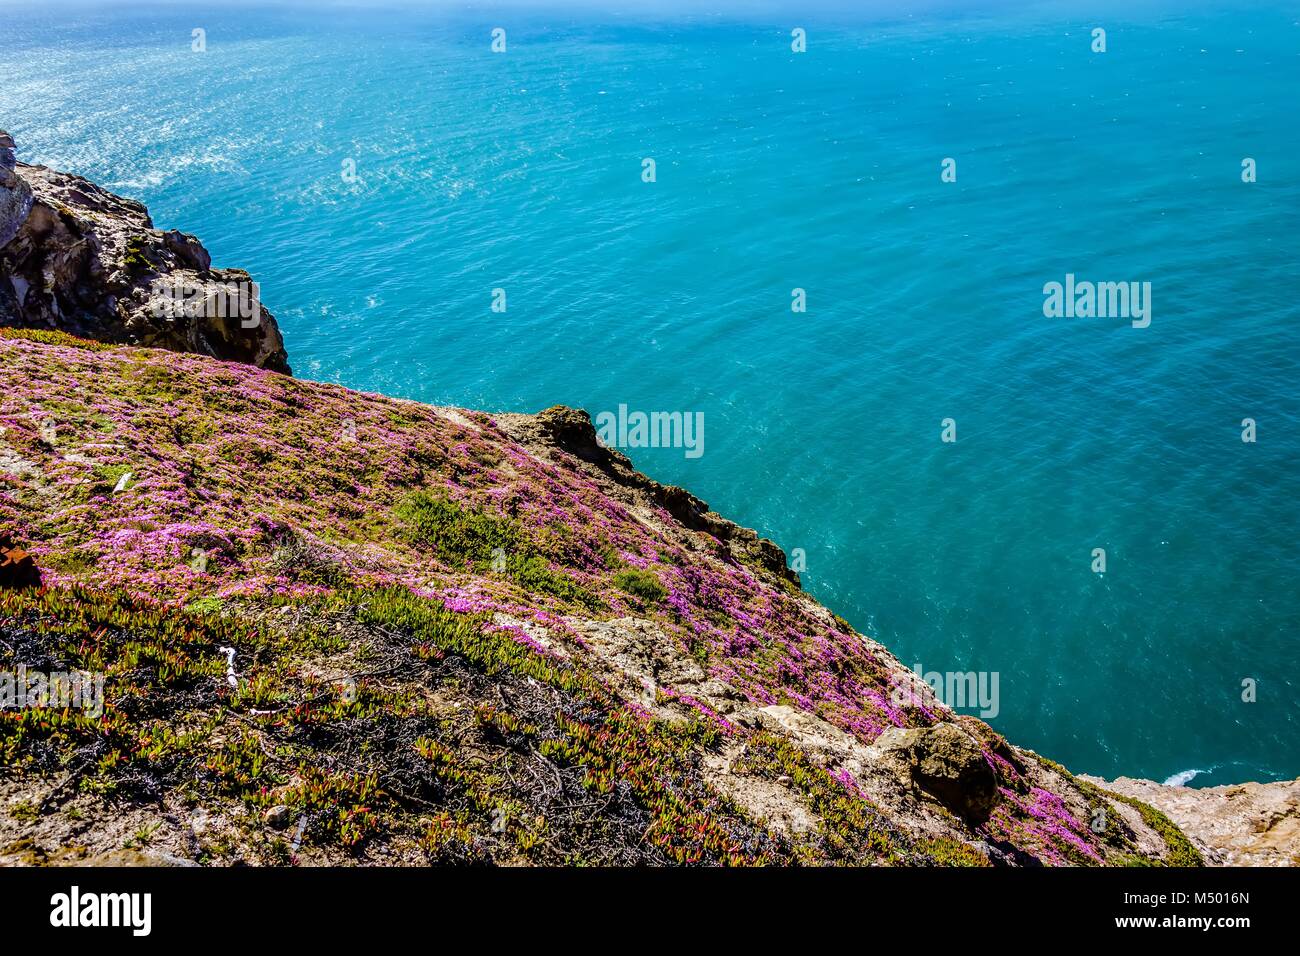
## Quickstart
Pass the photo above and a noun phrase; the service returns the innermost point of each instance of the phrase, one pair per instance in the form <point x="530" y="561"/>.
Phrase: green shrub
<point x="641" y="584"/>
<point x="534" y="573"/>
<point x="458" y="534"/>
<point x="135" y="259"/>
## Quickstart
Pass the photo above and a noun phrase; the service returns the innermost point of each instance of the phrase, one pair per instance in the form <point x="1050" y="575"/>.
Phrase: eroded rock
<point x="15" y="194"/>
<point x="78" y="259"/>
<point x="945" y="762"/>
<point x="1247" y="824"/>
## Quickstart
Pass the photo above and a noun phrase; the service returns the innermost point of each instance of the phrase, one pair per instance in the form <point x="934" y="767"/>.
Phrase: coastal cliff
<point x="337" y="627"/>
<point x="76" y="258"/>
<point x="1244" y="824"/>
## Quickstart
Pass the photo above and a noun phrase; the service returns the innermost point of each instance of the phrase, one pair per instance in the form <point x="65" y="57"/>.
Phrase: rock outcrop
<point x="947" y="763"/>
<point x="1245" y="824"/>
<point x="15" y="194"/>
<point x="76" y="258"/>
<point x="571" y="430"/>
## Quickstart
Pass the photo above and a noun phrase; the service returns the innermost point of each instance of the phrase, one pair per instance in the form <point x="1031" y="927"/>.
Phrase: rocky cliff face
<point x="76" y="258"/>
<point x="342" y="628"/>
<point x="1245" y="824"/>
<point x="15" y="193"/>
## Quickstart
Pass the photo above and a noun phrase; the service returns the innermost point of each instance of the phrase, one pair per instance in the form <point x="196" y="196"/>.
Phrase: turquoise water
<point x="820" y="171"/>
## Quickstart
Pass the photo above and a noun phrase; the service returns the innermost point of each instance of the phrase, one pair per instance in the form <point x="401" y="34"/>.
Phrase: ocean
<point x="919" y="178"/>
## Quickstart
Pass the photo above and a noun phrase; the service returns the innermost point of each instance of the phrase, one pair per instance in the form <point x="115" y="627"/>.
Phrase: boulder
<point x="278" y="817"/>
<point x="17" y="569"/>
<point x="945" y="762"/>
<point x="188" y="250"/>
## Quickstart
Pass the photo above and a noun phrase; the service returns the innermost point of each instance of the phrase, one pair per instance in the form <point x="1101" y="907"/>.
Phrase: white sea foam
<point x="1183" y="777"/>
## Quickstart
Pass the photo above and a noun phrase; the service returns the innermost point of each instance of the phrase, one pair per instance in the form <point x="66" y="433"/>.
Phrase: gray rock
<point x="188" y="249"/>
<point x="79" y="259"/>
<point x="945" y="762"/>
<point x="278" y="817"/>
<point x="15" y="194"/>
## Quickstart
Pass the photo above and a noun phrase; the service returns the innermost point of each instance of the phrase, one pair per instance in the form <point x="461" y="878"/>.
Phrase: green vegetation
<point x="945" y="851"/>
<point x="641" y="584"/>
<point x="143" y="836"/>
<point x="51" y="337"/>
<point x="342" y="806"/>
<point x="134" y="258"/>
<point x="170" y="722"/>
<point x="616" y="754"/>
<point x="1180" y="850"/>
<point x="532" y="733"/>
<point x="469" y="539"/>
<point x="459" y="536"/>
<point x="169" y="719"/>
<point x="534" y="573"/>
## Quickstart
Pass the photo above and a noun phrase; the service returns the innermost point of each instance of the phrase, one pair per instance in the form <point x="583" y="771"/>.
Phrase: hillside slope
<point x="413" y="632"/>
<point x="1243" y="824"/>
<point x="342" y="628"/>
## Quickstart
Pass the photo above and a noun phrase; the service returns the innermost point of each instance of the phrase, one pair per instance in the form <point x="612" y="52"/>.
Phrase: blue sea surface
<point x="522" y="171"/>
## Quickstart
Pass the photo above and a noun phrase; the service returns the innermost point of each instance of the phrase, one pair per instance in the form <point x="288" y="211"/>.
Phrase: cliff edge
<point x="1244" y="824"/>
<point x="78" y="259"/>
<point x="316" y="625"/>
